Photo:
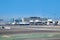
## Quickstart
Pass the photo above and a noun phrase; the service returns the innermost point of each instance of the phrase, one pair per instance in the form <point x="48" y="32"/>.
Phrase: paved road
<point x="26" y="31"/>
<point x="30" y="29"/>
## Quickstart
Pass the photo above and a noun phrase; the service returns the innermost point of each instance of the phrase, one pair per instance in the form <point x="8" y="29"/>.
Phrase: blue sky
<point x="27" y="8"/>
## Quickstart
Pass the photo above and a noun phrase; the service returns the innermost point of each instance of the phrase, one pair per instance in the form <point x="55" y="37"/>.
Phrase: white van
<point x="5" y="27"/>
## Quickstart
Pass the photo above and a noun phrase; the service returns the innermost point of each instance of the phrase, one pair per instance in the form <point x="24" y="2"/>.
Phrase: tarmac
<point x="16" y="29"/>
<point x="36" y="30"/>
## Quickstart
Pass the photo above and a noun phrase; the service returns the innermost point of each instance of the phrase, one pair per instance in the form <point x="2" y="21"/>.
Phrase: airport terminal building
<point x="35" y="21"/>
